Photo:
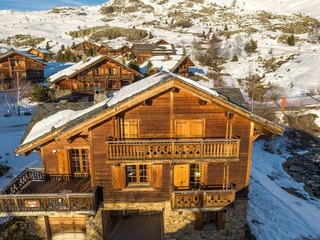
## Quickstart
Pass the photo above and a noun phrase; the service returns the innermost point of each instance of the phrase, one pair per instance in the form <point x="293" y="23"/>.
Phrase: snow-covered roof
<point x="67" y="72"/>
<point x="161" y="63"/>
<point x="25" y="54"/>
<point x="42" y="50"/>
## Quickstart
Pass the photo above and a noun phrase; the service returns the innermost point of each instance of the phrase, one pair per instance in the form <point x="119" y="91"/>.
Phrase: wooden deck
<point x="75" y="185"/>
<point x="33" y="193"/>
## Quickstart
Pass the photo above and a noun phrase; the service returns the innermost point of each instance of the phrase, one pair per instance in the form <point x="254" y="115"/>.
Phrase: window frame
<point x="82" y="166"/>
<point x="137" y="179"/>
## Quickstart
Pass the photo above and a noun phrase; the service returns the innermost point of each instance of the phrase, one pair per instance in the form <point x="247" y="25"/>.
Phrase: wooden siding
<point x="155" y="123"/>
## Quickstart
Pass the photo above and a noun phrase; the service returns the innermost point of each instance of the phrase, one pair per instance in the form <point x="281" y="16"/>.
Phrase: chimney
<point x="166" y="57"/>
<point x="84" y="58"/>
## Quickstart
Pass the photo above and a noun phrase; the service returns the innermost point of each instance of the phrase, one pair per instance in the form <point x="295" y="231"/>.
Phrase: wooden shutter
<point x="189" y="128"/>
<point x="131" y="129"/>
<point x="118" y="176"/>
<point x="63" y="163"/>
<point x="181" y="175"/>
<point x="197" y="128"/>
<point x="182" y="128"/>
<point x="156" y="175"/>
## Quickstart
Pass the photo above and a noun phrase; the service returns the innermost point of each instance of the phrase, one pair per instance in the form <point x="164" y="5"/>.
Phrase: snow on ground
<point x="273" y="213"/>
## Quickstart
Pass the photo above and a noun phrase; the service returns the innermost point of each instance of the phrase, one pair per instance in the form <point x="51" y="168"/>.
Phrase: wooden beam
<point x="202" y="102"/>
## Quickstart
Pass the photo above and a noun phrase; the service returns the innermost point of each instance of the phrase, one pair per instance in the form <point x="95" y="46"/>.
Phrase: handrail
<point x="34" y="174"/>
<point x="49" y="202"/>
<point x="203" y="198"/>
<point x="173" y="149"/>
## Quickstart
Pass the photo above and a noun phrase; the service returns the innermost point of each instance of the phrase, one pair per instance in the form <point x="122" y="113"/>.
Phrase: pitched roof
<point x="63" y="122"/>
<point x="169" y="63"/>
<point x="42" y="50"/>
<point x="80" y="66"/>
<point x="156" y="49"/>
<point x="25" y="54"/>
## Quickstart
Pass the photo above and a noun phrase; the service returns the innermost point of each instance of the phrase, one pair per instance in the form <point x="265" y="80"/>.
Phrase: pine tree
<point x="48" y="46"/>
<point x="291" y="40"/>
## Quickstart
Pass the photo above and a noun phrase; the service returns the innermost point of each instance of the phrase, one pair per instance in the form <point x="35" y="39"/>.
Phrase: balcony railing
<point x="104" y="77"/>
<point x="173" y="149"/>
<point x="15" y="202"/>
<point x="217" y="198"/>
<point x="29" y="174"/>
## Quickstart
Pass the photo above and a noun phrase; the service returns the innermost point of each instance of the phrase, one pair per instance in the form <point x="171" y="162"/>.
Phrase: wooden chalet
<point x="113" y="52"/>
<point x="163" y="145"/>
<point x="144" y="52"/>
<point x="160" y="41"/>
<point x="20" y="64"/>
<point x="176" y="64"/>
<point x="91" y="73"/>
<point x="84" y="47"/>
<point x="41" y="53"/>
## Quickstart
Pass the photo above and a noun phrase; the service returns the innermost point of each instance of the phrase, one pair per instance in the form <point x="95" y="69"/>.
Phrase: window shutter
<point x="63" y="163"/>
<point x="118" y="176"/>
<point x="156" y="175"/>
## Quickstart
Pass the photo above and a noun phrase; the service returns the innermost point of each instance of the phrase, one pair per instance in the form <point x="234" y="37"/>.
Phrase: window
<point x="137" y="174"/>
<point x="80" y="161"/>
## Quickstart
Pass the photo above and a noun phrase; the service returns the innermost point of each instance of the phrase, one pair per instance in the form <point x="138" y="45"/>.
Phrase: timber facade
<point x="164" y="145"/>
<point x="18" y="65"/>
<point x="92" y="73"/>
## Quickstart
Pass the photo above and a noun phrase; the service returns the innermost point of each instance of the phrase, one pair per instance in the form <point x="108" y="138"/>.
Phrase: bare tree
<point x="21" y="88"/>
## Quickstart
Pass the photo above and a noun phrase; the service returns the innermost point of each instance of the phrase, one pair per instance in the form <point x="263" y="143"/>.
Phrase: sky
<point x="31" y="5"/>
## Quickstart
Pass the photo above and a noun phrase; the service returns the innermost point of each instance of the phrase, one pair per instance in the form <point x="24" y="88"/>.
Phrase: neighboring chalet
<point x="41" y="53"/>
<point x="20" y="64"/>
<point x="160" y="41"/>
<point x="113" y="52"/>
<point x="176" y="64"/>
<point x="163" y="146"/>
<point x="83" y="48"/>
<point x="144" y="52"/>
<point x="99" y="72"/>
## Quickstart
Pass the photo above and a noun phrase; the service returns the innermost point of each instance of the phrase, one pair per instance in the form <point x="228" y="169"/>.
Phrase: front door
<point x="181" y="176"/>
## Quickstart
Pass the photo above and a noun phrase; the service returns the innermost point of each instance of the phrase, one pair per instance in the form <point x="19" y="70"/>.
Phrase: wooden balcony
<point x="219" y="149"/>
<point x="33" y="193"/>
<point x="105" y="77"/>
<point x="207" y="198"/>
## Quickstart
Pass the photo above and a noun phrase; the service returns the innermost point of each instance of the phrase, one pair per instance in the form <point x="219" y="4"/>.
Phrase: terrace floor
<point x="75" y="185"/>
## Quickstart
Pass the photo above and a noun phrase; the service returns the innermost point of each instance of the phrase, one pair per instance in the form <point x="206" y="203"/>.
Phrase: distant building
<point x="144" y="52"/>
<point x="20" y="64"/>
<point x="174" y="63"/>
<point x="90" y="73"/>
<point x="41" y="53"/>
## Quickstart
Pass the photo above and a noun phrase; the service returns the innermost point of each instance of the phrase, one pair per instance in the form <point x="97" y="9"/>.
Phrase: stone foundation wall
<point x="37" y="227"/>
<point x="180" y="224"/>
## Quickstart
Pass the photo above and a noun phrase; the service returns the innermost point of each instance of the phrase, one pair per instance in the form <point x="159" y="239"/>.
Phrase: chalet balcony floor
<point x="75" y="185"/>
<point x="33" y="193"/>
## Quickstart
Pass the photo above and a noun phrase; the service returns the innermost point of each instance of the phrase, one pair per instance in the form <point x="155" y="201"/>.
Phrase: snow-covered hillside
<point x="265" y="21"/>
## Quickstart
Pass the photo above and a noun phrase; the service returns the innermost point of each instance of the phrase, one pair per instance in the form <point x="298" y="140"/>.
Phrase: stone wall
<point x="180" y="224"/>
<point x="37" y="227"/>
